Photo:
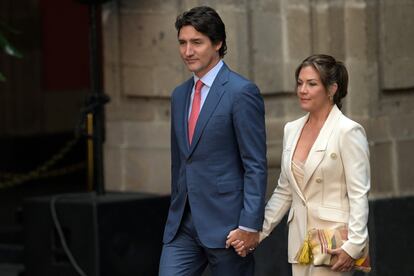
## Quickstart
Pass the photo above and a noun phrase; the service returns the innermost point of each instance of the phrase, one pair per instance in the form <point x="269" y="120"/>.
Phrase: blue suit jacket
<point x="223" y="173"/>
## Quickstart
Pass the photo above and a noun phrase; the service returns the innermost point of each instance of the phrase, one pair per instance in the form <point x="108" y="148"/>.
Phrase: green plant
<point x="6" y="46"/>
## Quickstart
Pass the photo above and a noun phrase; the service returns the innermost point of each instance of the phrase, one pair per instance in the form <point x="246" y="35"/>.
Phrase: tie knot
<point x="198" y="86"/>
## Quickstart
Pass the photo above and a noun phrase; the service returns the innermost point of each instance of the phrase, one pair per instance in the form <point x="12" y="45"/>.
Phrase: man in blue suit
<point x="218" y="155"/>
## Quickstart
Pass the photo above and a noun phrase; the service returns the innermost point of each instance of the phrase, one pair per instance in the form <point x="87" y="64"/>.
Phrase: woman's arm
<point x="355" y="157"/>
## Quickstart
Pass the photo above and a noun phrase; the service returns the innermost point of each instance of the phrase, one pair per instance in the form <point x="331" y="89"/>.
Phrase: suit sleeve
<point x="280" y="201"/>
<point x="355" y="158"/>
<point x="175" y="159"/>
<point x="249" y="127"/>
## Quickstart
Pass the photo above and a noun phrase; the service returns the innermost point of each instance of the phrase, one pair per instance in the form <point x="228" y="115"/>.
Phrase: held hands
<point x="344" y="262"/>
<point x="244" y="242"/>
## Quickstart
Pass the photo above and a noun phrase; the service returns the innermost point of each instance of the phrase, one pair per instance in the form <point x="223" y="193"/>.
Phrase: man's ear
<point x="217" y="46"/>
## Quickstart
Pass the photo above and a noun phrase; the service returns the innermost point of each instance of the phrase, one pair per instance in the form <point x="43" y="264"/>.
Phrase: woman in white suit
<point x="325" y="171"/>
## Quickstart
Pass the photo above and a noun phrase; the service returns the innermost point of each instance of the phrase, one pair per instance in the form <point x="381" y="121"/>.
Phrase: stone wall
<point x="266" y="41"/>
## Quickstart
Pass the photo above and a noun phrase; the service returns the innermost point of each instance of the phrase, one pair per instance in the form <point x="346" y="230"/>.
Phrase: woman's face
<point x="312" y="94"/>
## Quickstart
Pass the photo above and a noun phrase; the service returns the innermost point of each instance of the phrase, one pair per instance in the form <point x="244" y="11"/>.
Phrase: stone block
<point x="167" y="77"/>
<point x="145" y="135"/>
<point x="274" y="130"/>
<point x="268" y="75"/>
<point x="238" y="44"/>
<point x="273" y="108"/>
<point x="110" y="33"/>
<point x="267" y="51"/>
<point x="272" y="178"/>
<point x="114" y="168"/>
<point x="382" y="167"/>
<point x="362" y="82"/>
<point x="139" y="109"/>
<point x="134" y="153"/>
<point x="223" y="5"/>
<point x="328" y="28"/>
<point x="396" y="40"/>
<point x="274" y="153"/>
<point x="298" y="39"/>
<point x="115" y="133"/>
<point x="147" y="170"/>
<point x="138" y="80"/>
<point x="395" y="103"/>
<point x="111" y="82"/>
<point x="356" y="39"/>
<point x="270" y="6"/>
<point x="148" y="38"/>
<point x="284" y="108"/>
<point x="402" y="126"/>
<point x="405" y="153"/>
<point x="188" y="4"/>
<point x="150" y="6"/>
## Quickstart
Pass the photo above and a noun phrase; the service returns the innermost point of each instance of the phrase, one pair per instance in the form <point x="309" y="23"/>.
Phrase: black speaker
<point x="108" y="235"/>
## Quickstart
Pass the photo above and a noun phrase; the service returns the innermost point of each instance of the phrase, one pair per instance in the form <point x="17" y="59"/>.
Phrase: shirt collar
<point x="208" y="78"/>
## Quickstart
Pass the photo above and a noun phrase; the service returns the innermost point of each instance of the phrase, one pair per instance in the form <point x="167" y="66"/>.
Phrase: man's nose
<point x="188" y="50"/>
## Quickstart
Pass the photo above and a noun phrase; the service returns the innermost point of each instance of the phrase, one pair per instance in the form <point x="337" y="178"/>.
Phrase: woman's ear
<point x="332" y="89"/>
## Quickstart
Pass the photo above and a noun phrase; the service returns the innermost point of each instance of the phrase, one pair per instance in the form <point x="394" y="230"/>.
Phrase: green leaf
<point x="8" y="48"/>
<point x="2" y="77"/>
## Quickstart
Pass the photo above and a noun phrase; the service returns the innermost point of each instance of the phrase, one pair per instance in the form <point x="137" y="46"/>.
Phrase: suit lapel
<point x="294" y="142"/>
<point x="318" y="149"/>
<point x="182" y="103"/>
<point x="210" y="104"/>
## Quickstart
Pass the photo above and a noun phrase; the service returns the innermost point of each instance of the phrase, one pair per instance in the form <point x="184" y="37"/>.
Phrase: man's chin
<point x="192" y="68"/>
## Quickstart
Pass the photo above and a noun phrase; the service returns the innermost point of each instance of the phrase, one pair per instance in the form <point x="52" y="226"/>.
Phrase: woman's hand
<point x="344" y="262"/>
<point x="242" y="241"/>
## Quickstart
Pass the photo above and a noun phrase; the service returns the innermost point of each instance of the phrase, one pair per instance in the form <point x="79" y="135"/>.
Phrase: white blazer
<point x="335" y="184"/>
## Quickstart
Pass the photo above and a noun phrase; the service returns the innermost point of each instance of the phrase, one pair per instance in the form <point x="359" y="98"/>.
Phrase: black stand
<point x="96" y="102"/>
<point x="94" y="234"/>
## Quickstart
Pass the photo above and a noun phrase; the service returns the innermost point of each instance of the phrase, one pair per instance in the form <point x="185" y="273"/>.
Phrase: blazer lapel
<point x="318" y="149"/>
<point x="181" y="116"/>
<point x="292" y="146"/>
<point x="210" y="104"/>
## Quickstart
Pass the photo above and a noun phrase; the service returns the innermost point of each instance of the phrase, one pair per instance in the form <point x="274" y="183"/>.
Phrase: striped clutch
<point x="315" y="248"/>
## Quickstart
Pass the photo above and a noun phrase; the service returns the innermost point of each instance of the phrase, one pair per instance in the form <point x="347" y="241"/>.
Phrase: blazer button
<point x="189" y="161"/>
<point x="318" y="180"/>
<point x="333" y="155"/>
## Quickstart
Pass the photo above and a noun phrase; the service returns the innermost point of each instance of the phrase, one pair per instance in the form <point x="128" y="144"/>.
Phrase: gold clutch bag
<point x="315" y="248"/>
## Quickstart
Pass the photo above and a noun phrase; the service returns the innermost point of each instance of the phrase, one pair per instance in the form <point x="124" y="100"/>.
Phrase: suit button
<point x="333" y="155"/>
<point x="189" y="161"/>
<point x="318" y="180"/>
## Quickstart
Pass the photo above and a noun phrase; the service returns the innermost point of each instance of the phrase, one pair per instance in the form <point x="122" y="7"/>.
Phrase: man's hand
<point x="344" y="262"/>
<point x="244" y="242"/>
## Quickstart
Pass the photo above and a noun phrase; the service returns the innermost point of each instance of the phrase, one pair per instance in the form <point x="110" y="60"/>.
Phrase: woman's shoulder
<point x="345" y="123"/>
<point x="295" y="123"/>
<point x="350" y="128"/>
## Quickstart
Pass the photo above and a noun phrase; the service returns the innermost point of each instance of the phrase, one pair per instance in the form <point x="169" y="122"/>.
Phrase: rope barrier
<point x="10" y="179"/>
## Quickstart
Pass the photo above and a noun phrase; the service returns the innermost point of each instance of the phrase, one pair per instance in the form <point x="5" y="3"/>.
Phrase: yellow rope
<point x="43" y="171"/>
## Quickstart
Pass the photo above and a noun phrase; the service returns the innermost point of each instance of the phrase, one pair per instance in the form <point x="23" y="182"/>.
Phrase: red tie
<point x="195" y="110"/>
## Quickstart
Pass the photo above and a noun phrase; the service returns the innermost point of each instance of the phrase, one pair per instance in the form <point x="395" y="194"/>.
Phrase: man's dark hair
<point x="206" y="21"/>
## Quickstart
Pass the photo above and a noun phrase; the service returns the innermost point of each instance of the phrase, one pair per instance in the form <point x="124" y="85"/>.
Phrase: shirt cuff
<point x="247" y="229"/>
